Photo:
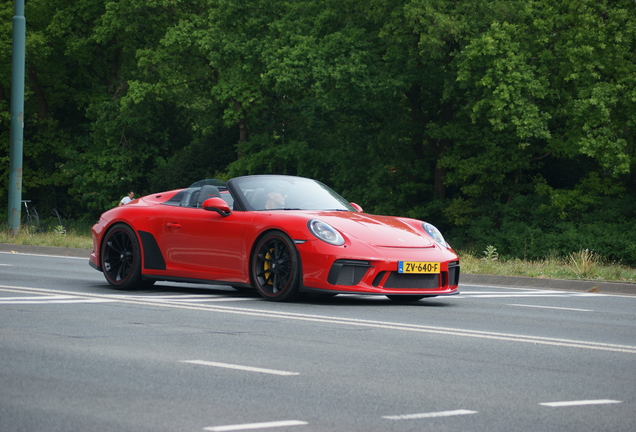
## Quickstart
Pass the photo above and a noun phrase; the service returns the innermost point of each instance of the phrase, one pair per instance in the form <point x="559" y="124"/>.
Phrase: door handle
<point x="173" y="225"/>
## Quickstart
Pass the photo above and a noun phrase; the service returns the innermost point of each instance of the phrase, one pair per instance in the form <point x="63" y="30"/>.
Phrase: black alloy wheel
<point x="121" y="258"/>
<point x="275" y="267"/>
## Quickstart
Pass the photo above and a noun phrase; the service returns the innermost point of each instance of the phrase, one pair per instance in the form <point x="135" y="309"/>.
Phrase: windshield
<point x="272" y="192"/>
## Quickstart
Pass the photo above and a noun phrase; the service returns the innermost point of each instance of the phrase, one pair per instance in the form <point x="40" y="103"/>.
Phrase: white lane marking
<point x="240" y="367"/>
<point x="67" y="299"/>
<point x="165" y="297"/>
<point x="552" y="307"/>
<point x="56" y="301"/>
<point x="7" y="265"/>
<point x="47" y="300"/>
<point x="385" y="325"/>
<point x="197" y="298"/>
<point x="516" y="291"/>
<point x="430" y="415"/>
<point x="38" y="297"/>
<point x="529" y="294"/>
<point x="229" y="299"/>
<point x="566" y="293"/>
<point x="42" y="255"/>
<point x="580" y="402"/>
<point x="247" y="426"/>
<point x="50" y="299"/>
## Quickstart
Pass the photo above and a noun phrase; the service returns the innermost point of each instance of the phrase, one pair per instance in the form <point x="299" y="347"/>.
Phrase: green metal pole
<point x="17" y="117"/>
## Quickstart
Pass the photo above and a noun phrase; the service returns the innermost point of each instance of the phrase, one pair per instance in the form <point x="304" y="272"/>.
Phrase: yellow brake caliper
<point x="267" y="265"/>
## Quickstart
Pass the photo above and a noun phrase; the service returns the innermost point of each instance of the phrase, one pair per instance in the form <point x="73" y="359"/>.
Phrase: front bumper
<point x="339" y="273"/>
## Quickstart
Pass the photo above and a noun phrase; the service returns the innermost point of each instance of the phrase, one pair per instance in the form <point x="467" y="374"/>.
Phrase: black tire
<point x="407" y="298"/>
<point x="121" y="258"/>
<point x="148" y="283"/>
<point x="275" y="267"/>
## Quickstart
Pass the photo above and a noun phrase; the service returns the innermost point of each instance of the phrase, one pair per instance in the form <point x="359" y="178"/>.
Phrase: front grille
<point x="347" y="272"/>
<point x="401" y="280"/>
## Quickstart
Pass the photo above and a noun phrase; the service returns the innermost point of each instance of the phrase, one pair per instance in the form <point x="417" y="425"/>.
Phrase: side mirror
<point x="356" y="206"/>
<point x="217" y="205"/>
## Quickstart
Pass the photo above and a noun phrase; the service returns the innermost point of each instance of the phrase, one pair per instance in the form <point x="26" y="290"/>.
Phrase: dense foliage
<point x="506" y="123"/>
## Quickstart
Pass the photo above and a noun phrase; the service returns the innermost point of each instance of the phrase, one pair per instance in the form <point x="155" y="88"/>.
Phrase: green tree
<point x="495" y="119"/>
<point x="558" y="79"/>
<point x="128" y="135"/>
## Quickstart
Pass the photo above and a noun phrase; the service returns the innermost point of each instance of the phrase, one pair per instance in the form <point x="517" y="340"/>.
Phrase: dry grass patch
<point x="584" y="264"/>
<point x="57" y="238"/>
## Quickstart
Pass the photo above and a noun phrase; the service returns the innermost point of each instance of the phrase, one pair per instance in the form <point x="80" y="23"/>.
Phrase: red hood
<point x="376" y="230"/>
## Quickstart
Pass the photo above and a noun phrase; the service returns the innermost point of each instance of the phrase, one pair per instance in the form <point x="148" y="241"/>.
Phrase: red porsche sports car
<point x="282" y="235"/>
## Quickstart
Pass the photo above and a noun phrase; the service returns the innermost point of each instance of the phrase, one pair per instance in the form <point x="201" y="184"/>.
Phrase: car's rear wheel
<point x="275" y="267"/>
<point x="121" y="257"/>
<point x="407" y="298"/>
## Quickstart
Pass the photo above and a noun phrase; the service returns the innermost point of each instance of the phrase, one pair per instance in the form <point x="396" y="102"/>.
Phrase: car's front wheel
<point x="275" y="267"/>
<point x="121" y="257"/>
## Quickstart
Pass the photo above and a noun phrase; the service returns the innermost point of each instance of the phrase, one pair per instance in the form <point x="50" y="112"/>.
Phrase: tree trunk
<point x="439" y="186"/>
<point x="439" y="148"/>
<point x="242" y="124"/>
<point x="43" y="106"/>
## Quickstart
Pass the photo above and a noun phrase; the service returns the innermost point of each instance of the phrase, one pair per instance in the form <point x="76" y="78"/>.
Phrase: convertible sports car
<point x="282" y="235"/>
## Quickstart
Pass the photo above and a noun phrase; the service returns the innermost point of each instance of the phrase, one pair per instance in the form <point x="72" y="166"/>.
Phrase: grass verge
<point x="581" y="265"/>
<point x="73" y="238"/>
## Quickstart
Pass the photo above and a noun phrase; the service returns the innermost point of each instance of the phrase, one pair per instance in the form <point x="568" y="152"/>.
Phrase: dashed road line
<point x="580" y="403"/>
<point x="240" y="367"/>
<point x="251" y="426"/>
<point x="430" y="415"/>
<point x="552" y="307"/>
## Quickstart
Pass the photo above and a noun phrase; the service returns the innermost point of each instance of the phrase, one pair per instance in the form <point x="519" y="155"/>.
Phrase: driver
<point x="276" y="195"/>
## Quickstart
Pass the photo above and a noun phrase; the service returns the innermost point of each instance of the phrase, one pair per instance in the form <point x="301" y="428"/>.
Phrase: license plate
<point x="418" y="267"/>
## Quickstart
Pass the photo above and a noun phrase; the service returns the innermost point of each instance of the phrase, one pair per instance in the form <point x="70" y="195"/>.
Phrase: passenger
<point x="275" y="195"/>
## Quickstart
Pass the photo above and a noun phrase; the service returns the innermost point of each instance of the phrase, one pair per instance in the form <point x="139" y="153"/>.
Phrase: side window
<point x="190" y="197"/>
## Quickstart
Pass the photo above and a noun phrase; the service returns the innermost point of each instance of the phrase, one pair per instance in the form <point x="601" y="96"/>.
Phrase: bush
<point x="523" y="229"/>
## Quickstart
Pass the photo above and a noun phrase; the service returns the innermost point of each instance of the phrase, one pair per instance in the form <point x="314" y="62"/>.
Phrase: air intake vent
<point x="453" y="274"/>
<point x="347" y="272"/>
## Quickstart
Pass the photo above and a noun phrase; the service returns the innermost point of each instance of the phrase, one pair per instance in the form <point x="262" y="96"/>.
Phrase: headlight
<point x="435" y="233"/>
<point x="325" y="232"/>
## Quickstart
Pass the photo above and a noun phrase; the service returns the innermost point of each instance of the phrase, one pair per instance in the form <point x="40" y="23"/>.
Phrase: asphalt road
<point x="77" y="355"/>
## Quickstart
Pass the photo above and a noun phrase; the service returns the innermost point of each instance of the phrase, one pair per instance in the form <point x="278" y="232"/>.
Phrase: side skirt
<point x="159" y="278"/>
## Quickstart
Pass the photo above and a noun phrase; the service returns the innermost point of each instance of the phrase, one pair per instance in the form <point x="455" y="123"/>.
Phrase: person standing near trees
<point x="128" y="198"/>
